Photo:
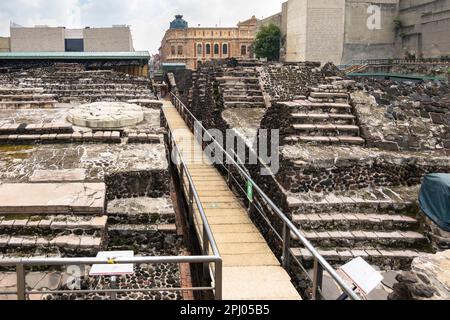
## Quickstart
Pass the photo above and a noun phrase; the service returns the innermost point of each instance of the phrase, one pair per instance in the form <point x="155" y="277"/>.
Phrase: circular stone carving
<point x="106" y="115"/>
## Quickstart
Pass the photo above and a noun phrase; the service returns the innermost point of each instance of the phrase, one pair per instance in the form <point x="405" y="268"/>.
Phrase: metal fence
<point x="211" y="261"/>
<point x="261" y="204"/>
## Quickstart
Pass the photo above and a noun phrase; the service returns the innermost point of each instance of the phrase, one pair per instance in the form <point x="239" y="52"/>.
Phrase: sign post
<point x="112" y="269"/>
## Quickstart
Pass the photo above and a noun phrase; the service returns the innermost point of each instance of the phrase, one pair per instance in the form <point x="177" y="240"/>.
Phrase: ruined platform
<point x="52" y="198"/>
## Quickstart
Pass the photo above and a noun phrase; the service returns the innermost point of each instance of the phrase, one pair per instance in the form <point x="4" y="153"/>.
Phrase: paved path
<point x="251" y="271"/>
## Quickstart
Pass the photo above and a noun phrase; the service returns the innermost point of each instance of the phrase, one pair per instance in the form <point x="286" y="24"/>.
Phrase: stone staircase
<point x="25" y="98"/>
<point x="52" y="219"/>
<point x="88" y="86"/>
<point x="241" y="88"/>
<point x="376" y="225"/>
<point x="325" y="117"/>
<point x="145" y="225"/>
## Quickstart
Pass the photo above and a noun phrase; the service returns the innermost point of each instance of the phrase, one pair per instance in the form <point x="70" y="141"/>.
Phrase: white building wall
<point x="108" y="39"/>
<point x="43" y="39"/>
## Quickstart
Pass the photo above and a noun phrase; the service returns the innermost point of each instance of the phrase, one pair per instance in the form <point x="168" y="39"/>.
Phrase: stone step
<point x="127" y="229"/>
<point x="42" y="128"/>
<point x="51" y="224"/>
<point x="231" y="92"/>
<point x="329" y="128"/>
<point x="244" y="104"/>
<point x="27" y="97"/>
<point x="325" y="140"/>
<point x="360" y="221"/>
<point x="64" y="243"/>
<point x="95" y="98"/>
<point x="243" y="98"/>
<point x="386" y="259"/>
<point x="328" y="95"/>
<point x="52" y="198"/>
<point x="141" y="210"/>
<point x="360" y="239"/>
<point x="28" y="104"/>
<point x="379" y="200"/>
<point x="335" y="118"/>
<point x="19" y="91"/>
<point x="54" y="138"/>
<point x="143" y="138"/>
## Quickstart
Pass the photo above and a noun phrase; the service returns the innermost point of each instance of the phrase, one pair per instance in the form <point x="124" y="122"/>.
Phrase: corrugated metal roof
<point x="76" y="55"/>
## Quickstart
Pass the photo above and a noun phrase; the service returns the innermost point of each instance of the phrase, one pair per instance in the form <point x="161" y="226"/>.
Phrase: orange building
<point x="193" y="46"/>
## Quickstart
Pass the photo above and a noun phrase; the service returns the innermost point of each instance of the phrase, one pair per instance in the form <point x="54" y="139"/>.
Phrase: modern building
<point x="342" y="31"/>
<point x="61" y="39"/>
<point x="193" y="46"/>
<point x="4" y="44"/>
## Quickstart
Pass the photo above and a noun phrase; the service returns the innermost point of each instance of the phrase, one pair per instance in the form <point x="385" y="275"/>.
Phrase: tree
<point x="267" y="43"/>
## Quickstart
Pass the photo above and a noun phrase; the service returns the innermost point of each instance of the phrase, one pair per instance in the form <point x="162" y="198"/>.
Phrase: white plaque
<point x="362" y="275"/>
<point x="112" y="269"/>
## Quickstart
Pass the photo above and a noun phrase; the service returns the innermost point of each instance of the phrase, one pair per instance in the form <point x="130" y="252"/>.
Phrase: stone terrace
<point x="350" y="196"/>
<point x="68" y="190"/>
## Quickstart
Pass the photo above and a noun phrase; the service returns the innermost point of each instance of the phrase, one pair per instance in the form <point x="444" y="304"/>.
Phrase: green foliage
<point x="267" y="43"/>
<point x="398" y="24"/>
<point x="448" y="70"/>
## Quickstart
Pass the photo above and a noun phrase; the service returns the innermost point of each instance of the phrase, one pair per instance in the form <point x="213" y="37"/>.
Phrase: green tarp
<point x="435" y="199"/>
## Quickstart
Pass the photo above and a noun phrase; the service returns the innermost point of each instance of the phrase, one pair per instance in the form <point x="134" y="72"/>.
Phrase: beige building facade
<point x="4" y="44"/>
<point x="61" y="39"/>
<point x="343" y="31"/>
<point x="194" y="46"/>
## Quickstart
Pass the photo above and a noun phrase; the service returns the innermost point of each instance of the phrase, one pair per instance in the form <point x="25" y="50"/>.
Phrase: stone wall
<point x="353" y="173"/>
<point x="404" y="116"/>
<point x="284" y="82"/>
<point x="153" y="184"/>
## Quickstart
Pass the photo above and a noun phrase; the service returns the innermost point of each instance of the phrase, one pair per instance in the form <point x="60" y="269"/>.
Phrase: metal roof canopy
<point x="137" y="55"/>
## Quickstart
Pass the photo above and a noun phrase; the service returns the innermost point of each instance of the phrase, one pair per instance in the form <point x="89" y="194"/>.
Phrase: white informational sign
<point x="112" y="269"/>
<point x="362" y="275"/>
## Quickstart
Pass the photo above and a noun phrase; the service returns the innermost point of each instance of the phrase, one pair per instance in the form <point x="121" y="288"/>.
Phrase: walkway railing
<point x="263" y="201"/>
<point x="208" y="260"/>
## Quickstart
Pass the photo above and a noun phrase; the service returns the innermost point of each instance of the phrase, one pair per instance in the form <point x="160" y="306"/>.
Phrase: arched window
<point x="208" y="48"/>
<point x="243" y="50"/>
<point x="172" y="50"/>
<point x="216" y="49"/>
<point x="180" y="50"/>
<point x="199" y="49"/>
<point x="225" y="49"/>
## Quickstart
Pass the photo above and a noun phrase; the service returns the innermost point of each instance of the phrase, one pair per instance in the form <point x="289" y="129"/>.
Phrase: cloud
<point x="148" y="18"/>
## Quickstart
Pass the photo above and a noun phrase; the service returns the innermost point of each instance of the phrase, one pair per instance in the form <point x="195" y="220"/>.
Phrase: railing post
<point x="229" y="175"/>
<point x="286" y="246"/>
<point x="218" y="280"/>
<point x="191" y="206"/>
<point x="205" y="244"/>
<point x="20" y="273"/>
<point x="317" y="280"/>
<point x="182" y="177"/>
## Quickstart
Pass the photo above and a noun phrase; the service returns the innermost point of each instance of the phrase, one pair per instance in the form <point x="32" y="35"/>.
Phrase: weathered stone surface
<point x="72" y="175"/>
<point x="103" y="115"/>
<point x="429" y="279"/>
<point x="51" y="198"/>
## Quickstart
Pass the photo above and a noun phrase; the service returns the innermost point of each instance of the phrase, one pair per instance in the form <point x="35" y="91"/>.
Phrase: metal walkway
<point x="250" y="269"/>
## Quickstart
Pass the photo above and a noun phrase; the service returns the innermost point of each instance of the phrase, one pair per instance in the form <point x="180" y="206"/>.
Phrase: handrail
<point x="319" y="260"/>
<point x="21" y="291"/>
<point x="205" y="259"/>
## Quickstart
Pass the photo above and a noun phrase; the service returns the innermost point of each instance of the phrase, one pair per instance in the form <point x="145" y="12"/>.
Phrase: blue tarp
<point x="434" y="199"/>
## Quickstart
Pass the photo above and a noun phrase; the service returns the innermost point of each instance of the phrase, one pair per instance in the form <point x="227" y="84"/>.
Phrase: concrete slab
<point x="52" y="198"/>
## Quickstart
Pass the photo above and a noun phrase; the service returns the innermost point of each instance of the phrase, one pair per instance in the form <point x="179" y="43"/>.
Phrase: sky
<point x="148" y="18"/>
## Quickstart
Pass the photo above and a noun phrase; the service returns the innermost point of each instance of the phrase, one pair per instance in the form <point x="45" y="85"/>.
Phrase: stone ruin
<point x="352" y="155"/>
<point x="73" y="183"/>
